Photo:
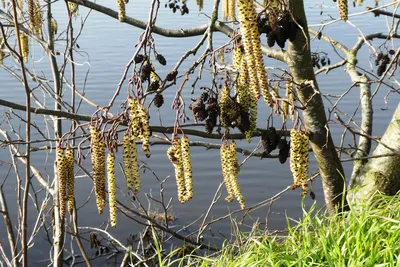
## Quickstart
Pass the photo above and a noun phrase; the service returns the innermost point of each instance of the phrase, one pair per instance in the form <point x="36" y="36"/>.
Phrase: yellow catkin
<point x="360" y="2"/>
<point x="299" y="159"/>
<point x="224" y="105"/>
<point x="187" y="167"/>
<point x="231" y="10"/>
<point x="200" y="4"/>
<point x="259" y="61"/>
<point x="20" y="4"/>
<point x="139" y="124"/>
<point x="69" y="155"/>
<point x="290" y="98"/>
<point x="24" y="46"/>
<point x="233" y="173"/>
<point x="38" y="18"/>
<point x="62" y="180"/>
<point x="3" y="3"/>
<point x="135" y="164"/>
<point x="121" y="10"/>
<point x="1" y="52"/>
<point x="126" y="159"/>
<point x="73" y="8"/>
<point x="225" y="4"/>
<point x="54" y="28"/>
<point x="31" y="13"/>
<point x="111" y="189"/>
<point x="248" y="23"/>
<point x="175" y="156"/>
<point x="244" y="96"/>
<point x="343" y="9"/>
<point x="98" y="166"/>
<point x="224" y="154"/>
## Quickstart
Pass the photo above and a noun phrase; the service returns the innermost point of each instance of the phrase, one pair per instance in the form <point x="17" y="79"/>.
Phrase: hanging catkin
<point x="38" y="18"/>
<point x="175" y="156"/>
<point x="343" y="9"/>
<point x="31" y="13"/>
<point x="224" y="154"/>
<point x="69" y="154"/>
<point x="121" y="10"/>
<point x="139" y="124"/>
<point x="62" y="169"/>
<point x="187" y="167"/>
<point x="245" y="96"/>
<point x="135" y="164"/>
<point x="234" y="170"/>
<point x="299" y="160"/>
<point x="98" y="166"/>
<point x="24" y="46"/>
<point x="126" y="159"/>
<point x="111" y="189"/>
<point x="252" y="47"/>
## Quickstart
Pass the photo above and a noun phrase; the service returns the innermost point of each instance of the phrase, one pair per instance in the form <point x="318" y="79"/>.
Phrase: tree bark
<point x="299" y="61"/>
<point x="380" y="174"/>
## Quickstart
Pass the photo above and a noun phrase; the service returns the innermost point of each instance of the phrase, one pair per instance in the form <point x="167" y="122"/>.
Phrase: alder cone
<point x="158" y="100"/>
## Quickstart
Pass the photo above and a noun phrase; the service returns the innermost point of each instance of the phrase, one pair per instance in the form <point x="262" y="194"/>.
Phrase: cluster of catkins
<point x="65" y="170"/>
<point x="98" y="151"/>
<point x="35" y="16"/>
<point x="299" y="160"/>
<point x="179" y="155"/>
<point x="99" y="167"/>
<point x="246" y="99"/>
<point x="139" y="124"/>
<point x="252" y="47"/>
<point x="228" y="10"/>
<point x="230" y="170"/>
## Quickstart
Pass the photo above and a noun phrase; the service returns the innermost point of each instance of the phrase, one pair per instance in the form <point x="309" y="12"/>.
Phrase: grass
<point x="366" y="236"/>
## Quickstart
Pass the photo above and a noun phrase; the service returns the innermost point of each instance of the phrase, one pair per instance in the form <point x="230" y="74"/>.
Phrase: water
<point x="109" y="46"/>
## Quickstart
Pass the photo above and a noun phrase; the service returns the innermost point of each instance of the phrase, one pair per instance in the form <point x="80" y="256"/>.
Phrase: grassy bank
<point x="368" y="237"/>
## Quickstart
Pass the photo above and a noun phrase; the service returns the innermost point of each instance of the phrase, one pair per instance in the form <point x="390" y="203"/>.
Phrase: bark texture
<point x="299" y="61"/>
<point x="380" y="174"/>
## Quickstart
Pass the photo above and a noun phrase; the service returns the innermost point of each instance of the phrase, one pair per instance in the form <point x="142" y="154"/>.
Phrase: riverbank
<point x="367" y="237"/>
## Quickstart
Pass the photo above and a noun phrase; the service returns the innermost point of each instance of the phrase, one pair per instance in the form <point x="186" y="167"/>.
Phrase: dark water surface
<point x="107" y="46"/>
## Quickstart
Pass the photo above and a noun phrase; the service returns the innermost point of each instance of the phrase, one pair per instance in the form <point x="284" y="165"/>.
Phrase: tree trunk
<point x="380" y="174"/>
<point x="299" y="61"/>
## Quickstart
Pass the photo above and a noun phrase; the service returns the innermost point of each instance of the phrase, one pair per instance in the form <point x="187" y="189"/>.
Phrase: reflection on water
<point x="107" y="46"/>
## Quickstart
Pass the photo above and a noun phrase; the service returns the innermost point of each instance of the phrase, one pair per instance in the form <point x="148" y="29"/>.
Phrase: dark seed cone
<point x="284" y="149"/>
<point x="199" y="110"/>
<point x="270" y="140"/>
<point x="154" y="86"/>
<point x="69" y="155"/>
<point x="158" y="100"/>
<point x="172" y="75"/>
<point x="271" y="39"/>
<point x="139" y="58"/>
<point x="161" y="59"/>
<point x="146" y="71"/>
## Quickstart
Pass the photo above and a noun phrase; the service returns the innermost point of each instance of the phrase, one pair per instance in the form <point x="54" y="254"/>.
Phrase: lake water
<point x="105" y="47"/>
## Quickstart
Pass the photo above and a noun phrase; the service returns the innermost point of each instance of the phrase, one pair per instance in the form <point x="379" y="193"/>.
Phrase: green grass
<point x="366" y="236"/>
